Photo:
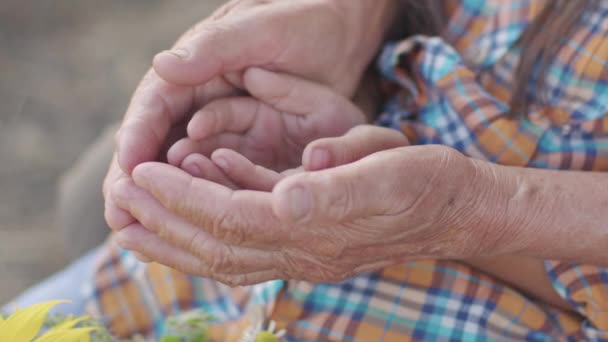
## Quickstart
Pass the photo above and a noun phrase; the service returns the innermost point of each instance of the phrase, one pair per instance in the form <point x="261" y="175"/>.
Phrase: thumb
<point x="361" y="189"/>
<point x="218" y="47"/>
<point x="358" y="143"/>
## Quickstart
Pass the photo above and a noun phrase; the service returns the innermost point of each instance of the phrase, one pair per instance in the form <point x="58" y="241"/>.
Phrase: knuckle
<point x="221" y="260"/>
<point x="299" y="267"/>
<point x="228" y="228"/>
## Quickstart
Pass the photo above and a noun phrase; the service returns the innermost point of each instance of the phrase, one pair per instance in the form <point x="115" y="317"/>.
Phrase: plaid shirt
<point x="453" y="91"/>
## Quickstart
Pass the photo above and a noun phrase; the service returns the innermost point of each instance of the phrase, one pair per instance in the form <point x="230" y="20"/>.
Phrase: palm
<point x="277" y="139"/>
<point x="273" y="140"/>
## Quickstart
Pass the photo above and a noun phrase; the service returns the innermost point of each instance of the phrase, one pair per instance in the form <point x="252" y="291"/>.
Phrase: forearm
<point x="545" y="214"/>
<point x="527" y="275"/>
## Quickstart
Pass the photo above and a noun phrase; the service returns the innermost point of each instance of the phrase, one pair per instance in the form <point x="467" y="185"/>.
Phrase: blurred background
<point x="67" y="71"/>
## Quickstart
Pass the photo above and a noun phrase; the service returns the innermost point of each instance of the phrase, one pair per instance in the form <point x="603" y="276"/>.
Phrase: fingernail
<point x="300" y="203"/>
<point x="222" y="163"/>
<point x="193" y="170"/>
<point x="320" y="158"/>
<point x="179" y="53"/>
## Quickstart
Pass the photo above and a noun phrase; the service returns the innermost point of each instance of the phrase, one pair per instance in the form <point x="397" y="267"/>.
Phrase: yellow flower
<point x="25" y="324"/>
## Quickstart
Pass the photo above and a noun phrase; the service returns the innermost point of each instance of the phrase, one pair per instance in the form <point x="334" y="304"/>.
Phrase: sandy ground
<point x="67" y="69"/>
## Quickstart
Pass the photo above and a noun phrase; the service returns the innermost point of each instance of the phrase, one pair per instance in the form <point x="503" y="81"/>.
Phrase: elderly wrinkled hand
<point x="208" y="62"/>
<point x="385" y="205"/>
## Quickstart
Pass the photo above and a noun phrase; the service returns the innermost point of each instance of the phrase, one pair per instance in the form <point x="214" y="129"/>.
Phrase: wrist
<point x="494" y="215"/>
<point x="366" y="23"/>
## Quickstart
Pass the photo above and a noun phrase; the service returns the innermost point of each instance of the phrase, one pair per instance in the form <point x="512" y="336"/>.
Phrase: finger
<point x="147" y="244"/>
<point x="185" y="147"/>
<point x="142" y="258"/>
<point x="292" y="172"/>
<point x="115" y="217"/>
<point x="320" y="111"/>
<point x="243" y="172"/>
<point x="235" y="115"/>
<point x="156" y="106"/>
<point x="202" y="167"/>
<point x="240" y="218"/>
<point x="371" y="186"/>
<point x="296" y="95"/>
<point x="216" y="88"/>
<point x="219" y="257"/>
<point x="218" y="47"/>
<point x="358" y="143"/>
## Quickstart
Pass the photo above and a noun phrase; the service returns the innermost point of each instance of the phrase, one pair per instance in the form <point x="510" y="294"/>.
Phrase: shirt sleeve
<point x="442" y="100"/>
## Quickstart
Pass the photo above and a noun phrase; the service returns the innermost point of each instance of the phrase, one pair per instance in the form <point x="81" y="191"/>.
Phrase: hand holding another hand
<point x="208" y="63"/>
<point x="385" y="204"/>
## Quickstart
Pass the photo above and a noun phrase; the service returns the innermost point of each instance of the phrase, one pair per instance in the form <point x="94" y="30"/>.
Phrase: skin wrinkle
<point x="465" y="215"/>
<point x="515" y="218"/>
<point x="325" y="272"/>
<point x="184" y="209"/>
<point x="197" y="244"/>
<point x="530" y="199"/>
<point x="339" y="207"/>
<point x="493" y="225"/>
<point x="279" y="229"/>
<point x="529" y="202"/>
<point x="427" y="189"/>
<point x="221" y="260"/>
<point x="226" y="228"/>
<point x="467" y="226"/>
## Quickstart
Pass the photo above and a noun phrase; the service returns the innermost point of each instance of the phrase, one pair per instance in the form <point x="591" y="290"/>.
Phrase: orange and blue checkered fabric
<point x="453" y="91"/>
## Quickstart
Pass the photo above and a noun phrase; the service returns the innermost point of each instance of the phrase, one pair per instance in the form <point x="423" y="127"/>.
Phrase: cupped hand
<point x="208" y="62"/>
<point x="377" y="209"/>
<point x="272" y="126"/>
